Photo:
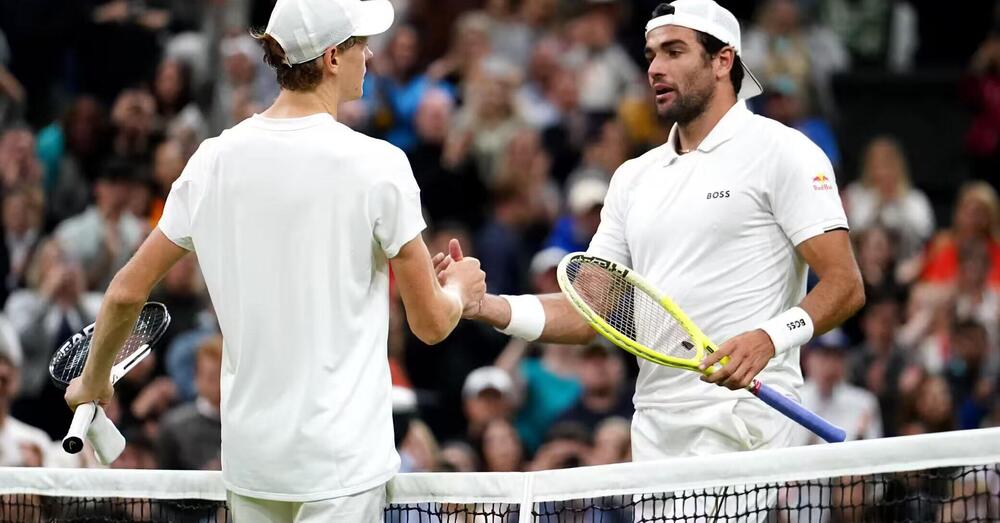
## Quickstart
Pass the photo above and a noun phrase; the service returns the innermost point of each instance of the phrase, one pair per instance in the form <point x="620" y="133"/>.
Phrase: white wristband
<point x="792" y="328"/>
<point x="527" y="317"/>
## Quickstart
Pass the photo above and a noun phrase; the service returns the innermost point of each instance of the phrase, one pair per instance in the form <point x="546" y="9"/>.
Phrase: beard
<point x="687" y="107"/>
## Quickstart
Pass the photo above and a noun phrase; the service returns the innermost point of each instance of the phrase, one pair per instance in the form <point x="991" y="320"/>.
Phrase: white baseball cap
<point x="485" y="378"/>
<point x="709" y="17"/>
<point x="305" y="29"/>
<point x="585" y="194"/>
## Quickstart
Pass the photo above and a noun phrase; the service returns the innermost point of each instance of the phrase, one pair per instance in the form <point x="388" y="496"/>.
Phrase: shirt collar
<point x="734" y="119"/>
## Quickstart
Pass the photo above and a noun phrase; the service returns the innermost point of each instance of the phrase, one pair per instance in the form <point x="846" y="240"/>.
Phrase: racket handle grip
<point x="91" y="422"/>
<point x="82" y="418"/>
<point x="796" y="412"/>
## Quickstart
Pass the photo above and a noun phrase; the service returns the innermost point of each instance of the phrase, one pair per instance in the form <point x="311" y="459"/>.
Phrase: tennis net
<point x="947" y="477"/>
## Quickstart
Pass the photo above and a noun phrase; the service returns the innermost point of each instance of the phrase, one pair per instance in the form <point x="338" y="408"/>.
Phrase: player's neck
<point x="691" y="134"/>
<point x="296" y="104"/>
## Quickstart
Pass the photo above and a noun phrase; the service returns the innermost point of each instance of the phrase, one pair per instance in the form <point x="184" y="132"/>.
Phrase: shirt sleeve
<point x="804" y="196"/>
<point x="176" y="221"/>
<point x="609" y="241"/>
<point x="394" y="205"/>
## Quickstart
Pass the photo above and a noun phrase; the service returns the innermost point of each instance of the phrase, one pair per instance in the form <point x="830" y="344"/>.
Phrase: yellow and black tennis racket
<point x="624" y="308"/>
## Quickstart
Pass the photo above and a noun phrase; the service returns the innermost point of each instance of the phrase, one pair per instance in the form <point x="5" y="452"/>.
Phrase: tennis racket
<point x="624" y="308"/>
<point x="67" y="363"/>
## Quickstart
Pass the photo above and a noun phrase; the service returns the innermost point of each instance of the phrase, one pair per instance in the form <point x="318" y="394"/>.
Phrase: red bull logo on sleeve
<point x="822" y="182"/>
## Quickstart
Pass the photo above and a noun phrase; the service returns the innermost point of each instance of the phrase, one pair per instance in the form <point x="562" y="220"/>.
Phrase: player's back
<point x="289" y="219"/>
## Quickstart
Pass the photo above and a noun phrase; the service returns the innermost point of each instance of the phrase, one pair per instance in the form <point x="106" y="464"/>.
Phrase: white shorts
<point x="699" y="430"/>
<point x="363" y="507"/>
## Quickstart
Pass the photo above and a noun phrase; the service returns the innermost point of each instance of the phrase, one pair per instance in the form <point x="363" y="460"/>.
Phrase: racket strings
<point x="630" y="311"/>
<point x="68" y="363"/>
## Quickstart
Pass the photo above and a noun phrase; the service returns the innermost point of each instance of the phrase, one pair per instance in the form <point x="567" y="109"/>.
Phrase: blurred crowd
<point x="514" y="115"/>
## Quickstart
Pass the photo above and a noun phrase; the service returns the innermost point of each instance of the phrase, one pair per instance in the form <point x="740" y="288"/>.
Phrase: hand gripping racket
<point x="624" y="308"/>
<point x="89" y="419"/>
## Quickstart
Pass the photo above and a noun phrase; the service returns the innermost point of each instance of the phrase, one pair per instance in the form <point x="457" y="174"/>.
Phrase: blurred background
<point x="514" y="114"/>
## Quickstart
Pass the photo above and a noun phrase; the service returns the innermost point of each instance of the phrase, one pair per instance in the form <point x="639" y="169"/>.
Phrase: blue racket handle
<point x="801" y="415"/>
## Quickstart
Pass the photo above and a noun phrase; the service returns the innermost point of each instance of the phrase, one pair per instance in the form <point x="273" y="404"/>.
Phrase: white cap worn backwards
<point x="709" y="17"/>
<point x="306" y="28"/>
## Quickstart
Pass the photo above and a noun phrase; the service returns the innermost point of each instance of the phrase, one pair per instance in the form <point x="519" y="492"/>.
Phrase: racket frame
<point x="702" y="345"/>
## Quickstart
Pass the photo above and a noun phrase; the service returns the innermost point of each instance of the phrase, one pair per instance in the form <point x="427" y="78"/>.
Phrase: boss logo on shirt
<point x="717" y="194"/>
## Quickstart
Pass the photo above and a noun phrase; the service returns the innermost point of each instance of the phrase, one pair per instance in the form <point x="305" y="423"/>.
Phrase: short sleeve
<point x="805" y="200"/>
<point x="176" y="221"/>
<point x="394" y="205"/>
<point x="609" y="241"/>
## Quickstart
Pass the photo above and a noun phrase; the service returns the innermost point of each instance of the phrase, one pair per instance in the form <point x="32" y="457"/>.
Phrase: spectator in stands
<point x="884" y="196"/>
<point x="190" y="435"/>
<point x="574" y="231"/>
<point x="543" y="270"/>
<point x="470" y="45"/>
<point x="73" y="151"/>
<point x="12" y="93"/>
<point x="500" y="447"/>
<point x="133" y="117"/>
<point x="566" y="445"/>
<point x="173" y="91"/>
<point x="972" y="373"/>
<point x="452" y="192"/>
<point x="394" y="93"/>
<point x="606" y="72"/>
<point x="183" y="292"/>
<point x="880" y="363"/>
<point x="458" y="456"/>
<point x="138" y="454"/>
<point x="168" y="162"/>
<point x="550" y="383"/>
<point x="500" y="244"/>
<point x="510" y="35"/>
<point x="612" y="442"/>
<point x="827" y="392"/>
<point x="976" y="219"/>
<point x="880" y="270"/>
<point x="240" y="91"/>
<point x="103" y="237"/>
<point x="870" y="31"/>
<point x="488" y="394"/>
<point x="21" y="445"/>
<point x="982" y="139"/>
<point x="606" y="148"/>
<point x="605" y="391"/>
<point x="973" y="297"/>
<point x="53" y="307"/>
<point x="19" y="163"/>
<point x="23" y="208"/>
<point x="929" y="408"/>
<point x="784" y="103"/>
<point x="488" y="120"/>
<point x="785" y="50"/>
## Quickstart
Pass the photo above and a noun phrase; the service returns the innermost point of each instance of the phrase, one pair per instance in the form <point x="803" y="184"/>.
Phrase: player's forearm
<point x="119" y="311"/>
<point x="562" y="323"/>
<point x="434" y="323"/>
<point x="836" y="297"/>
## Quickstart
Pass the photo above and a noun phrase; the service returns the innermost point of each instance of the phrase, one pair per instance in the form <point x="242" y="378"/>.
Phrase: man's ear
<point x="331" y="59"/>
<point x="726" y="61"/>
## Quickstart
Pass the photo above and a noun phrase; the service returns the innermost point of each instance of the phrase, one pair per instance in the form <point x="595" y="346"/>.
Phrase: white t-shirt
<point x="716" y="230"/>
<point x="294" y="221"/>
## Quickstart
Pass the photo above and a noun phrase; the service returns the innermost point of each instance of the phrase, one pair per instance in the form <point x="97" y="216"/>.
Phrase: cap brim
<point x="751" y="86"/>
<point x="373" y="17"/>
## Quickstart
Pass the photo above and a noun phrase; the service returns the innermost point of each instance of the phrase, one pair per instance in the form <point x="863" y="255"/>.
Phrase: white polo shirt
<point x="716" y="230"/>
<point x="293" y="221"/>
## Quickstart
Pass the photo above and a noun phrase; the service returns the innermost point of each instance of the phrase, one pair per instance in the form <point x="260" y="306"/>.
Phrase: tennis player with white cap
<point x="296" y="220"/>
<point x="726" y="218"/>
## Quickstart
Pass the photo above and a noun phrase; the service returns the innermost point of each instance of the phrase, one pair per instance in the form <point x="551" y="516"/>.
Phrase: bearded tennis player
<point x="296" y="220"/>
<point x="726" y="218"/>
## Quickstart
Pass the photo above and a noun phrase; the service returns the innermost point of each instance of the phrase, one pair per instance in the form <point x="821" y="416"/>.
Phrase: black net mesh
<point x="951" y="494"/>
